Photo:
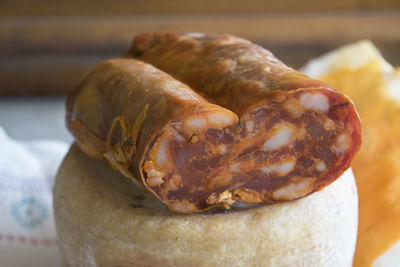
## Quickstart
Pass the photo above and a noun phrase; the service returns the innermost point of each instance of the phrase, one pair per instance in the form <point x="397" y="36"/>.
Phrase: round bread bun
<point x="103" y="219"/>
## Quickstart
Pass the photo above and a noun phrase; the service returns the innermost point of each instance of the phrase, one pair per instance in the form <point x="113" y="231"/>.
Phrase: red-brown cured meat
<point x="236" y="124"/>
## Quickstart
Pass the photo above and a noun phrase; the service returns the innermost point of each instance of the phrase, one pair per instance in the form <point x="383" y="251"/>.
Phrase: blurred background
<point x="46" y="46"/>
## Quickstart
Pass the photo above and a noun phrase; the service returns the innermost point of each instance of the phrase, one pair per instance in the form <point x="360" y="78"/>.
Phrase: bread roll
<point x="103" y="219"/>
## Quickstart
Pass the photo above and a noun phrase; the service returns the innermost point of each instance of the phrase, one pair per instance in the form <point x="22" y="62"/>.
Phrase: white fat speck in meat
<point x="342" y="143"/>
<point x="320" y="166"/>
<point x="314" y="101"/>
<point x="196" y="123"/>
<point x="249" y="126"/>
<point x="219" y="120"/>
<point x="293" y="107"/>
<point x="162" y="154"/>
<point x="294" y="190"/>
<point x="283" y="136"/>
<point x="282" y="168"/>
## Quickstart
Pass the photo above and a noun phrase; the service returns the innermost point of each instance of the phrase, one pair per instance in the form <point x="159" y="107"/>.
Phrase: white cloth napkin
<point x="27" y="232"/>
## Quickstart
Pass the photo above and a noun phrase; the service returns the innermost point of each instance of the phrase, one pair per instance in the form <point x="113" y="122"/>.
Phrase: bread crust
<point x="103" y="219"/>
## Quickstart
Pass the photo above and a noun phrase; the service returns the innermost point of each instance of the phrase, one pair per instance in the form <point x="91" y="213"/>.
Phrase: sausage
<point x="139" y="118"/>
<point x="248" y="128"/>
<point x="295" y="135"/>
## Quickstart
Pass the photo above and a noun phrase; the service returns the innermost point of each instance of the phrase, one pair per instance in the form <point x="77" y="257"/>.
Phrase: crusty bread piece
<point x="103" y="219"/>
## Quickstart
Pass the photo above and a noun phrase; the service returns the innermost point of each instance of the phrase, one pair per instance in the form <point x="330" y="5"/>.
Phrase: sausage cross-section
<point x="231" y="123"/>
<point x="139" y="119"/>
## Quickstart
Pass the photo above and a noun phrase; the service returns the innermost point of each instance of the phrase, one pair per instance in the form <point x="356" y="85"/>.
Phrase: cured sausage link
<point x="295" y="136"/>
<point x="137" y="118"/>
<point x="270" y="133"/>
<point x="232" y="72"/>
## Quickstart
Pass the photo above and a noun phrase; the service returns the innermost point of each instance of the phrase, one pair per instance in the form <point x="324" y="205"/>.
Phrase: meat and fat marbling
<point x="231" y="122"/>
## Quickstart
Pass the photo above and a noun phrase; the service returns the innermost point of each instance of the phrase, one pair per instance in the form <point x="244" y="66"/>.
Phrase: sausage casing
<point x="295" y="134"/>
<point x="233" y="124"/>
<point x="130" y="113"/>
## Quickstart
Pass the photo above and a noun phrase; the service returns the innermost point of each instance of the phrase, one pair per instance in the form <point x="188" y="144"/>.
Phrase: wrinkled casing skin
<point x="221" y="120"/>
